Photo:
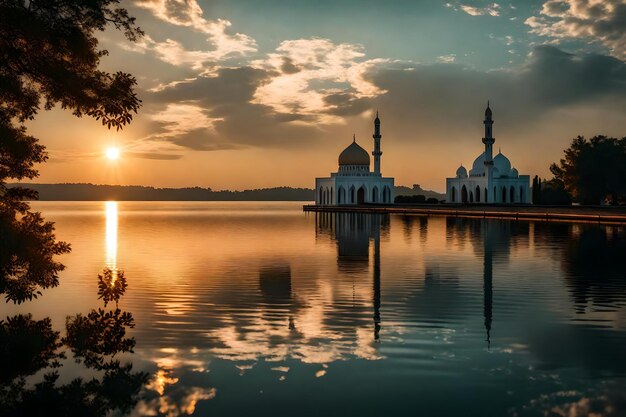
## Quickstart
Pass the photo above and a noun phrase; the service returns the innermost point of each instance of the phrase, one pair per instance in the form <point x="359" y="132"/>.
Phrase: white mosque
<point x="491" y="179"/>
<point x="354" y="183"/>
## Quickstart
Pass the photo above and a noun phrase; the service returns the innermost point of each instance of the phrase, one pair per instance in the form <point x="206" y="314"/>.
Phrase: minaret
<point x="489" y="140"/>
<point x="377" y="153"/>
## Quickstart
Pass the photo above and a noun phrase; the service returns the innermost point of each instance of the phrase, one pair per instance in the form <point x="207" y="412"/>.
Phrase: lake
<point x="254" y="308"/>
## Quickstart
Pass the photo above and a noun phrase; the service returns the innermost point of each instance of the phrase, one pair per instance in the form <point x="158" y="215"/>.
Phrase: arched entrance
<point x="360" y="195"/>
<point x="352" y="200"/>
<point x="477" y="194"/>
<point x="463" y="195"/>
<point x="375" y="195"/>
<point x="471" y="197"/>
<point x="341" y="198"/>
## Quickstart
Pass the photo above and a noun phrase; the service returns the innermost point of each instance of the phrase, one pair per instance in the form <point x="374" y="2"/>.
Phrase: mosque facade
<point x="491" y="180"/>
<point x="354" y="183"/>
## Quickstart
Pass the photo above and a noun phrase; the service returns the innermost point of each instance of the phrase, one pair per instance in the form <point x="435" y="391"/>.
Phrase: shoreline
<point x="611" y="215"/>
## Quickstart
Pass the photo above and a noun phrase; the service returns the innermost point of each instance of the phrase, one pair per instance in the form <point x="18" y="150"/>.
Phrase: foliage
<point x="111" y="286"/>
<point x="550" y="193"/>
<point x="593" y="170"/>
<point x="553" y="193"/>
<point x="49" y="56"/>
<point x="99" y="335"/>
<point x="415" y="199"/>
<point x="28" y="347"/>
<point x="27" y="251"/>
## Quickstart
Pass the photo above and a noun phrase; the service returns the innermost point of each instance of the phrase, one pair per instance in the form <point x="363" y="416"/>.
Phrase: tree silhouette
<point x="594" y="169"/>
<point x="49" y="56"/>
<point x="28" y="346"/>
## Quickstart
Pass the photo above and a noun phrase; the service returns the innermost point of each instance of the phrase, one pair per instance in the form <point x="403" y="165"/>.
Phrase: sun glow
<point x="111" y="236"/>
<point x="113" y="153"/>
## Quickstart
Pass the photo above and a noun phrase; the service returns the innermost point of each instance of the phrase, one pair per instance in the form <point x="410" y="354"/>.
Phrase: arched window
<point x="477" y="194"/>
<point x="471" y="197"/>
<point x="352" y="200"/>
<point x="341" y="198"/>
<point x="486" y="200"/>
<point x="375" y="195"/>
<point x="464" y="195"/>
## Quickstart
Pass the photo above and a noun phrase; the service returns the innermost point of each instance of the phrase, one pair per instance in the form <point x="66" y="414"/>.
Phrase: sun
<point x="113" y="154"/>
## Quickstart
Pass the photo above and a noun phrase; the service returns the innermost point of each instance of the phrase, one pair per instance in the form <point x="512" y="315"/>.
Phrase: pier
<point x="599" y="214"/>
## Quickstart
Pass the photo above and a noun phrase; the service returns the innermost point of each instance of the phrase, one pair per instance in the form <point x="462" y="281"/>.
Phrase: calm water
<point x="260" y="309"/>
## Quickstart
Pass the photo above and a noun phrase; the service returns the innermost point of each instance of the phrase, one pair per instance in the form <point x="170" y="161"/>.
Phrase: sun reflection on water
<point x="111" y="236"/>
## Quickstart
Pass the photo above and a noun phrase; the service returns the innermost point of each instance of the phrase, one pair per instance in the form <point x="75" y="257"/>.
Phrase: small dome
<point x="514" y="173"/>
<point x="461" y="172"/>
<point x="354" y="155"/>
<point x="503" y="164"/>
<point x="478" y="167"/>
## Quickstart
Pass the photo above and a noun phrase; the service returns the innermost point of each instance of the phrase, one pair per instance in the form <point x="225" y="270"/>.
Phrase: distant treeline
<point x="96" y="192"/>
<point x="415" y="199"/>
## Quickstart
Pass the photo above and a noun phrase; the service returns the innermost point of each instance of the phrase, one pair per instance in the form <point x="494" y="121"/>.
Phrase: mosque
<point x="491" y="179"/>
<point x="354" y="183"/>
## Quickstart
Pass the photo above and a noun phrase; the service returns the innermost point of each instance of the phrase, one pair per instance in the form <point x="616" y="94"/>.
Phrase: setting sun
<point x="113" y="154"/>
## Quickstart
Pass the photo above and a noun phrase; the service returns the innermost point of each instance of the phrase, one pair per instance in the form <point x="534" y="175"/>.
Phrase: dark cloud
<point x="448" y="96"/>
<point x="152" y="155"/>
<point x="347" y="104"/>
<point x="228" y="96"/>
<point x="289" y="67"/>
<point x="421" y="99"/>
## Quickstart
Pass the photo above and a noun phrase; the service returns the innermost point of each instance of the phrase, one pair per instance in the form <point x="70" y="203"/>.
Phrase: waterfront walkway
<point x="597" y="214"/>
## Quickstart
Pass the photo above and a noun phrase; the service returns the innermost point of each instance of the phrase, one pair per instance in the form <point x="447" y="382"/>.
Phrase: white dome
<point x="461" y="172"/>
<point x="514" y="173"/>
<point x="478" y="167"/>
<point x="503" y="164"/>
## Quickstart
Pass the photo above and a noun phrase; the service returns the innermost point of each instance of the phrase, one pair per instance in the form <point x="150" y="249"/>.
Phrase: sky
<point x="241" y="94"/>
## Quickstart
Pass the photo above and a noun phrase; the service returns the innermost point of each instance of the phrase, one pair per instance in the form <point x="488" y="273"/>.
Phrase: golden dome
<point x="354" y="155"/>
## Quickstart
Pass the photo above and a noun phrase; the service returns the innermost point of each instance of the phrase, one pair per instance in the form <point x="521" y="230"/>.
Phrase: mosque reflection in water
<point x="354" y="233"/>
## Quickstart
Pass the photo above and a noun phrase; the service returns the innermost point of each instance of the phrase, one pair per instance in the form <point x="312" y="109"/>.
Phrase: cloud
<point x="173" y="52"/>
<point x="447" y="59"/>
<point x="316" y="79"/>
<point x="246" y="107"/>
<point x="232" y="119"/>
<point x="491" y="10"/>
<point x="179" y="125"/>
<point x="602" y="20"/>
<point x="188" y="13"/>
<point x="445" y="96"/>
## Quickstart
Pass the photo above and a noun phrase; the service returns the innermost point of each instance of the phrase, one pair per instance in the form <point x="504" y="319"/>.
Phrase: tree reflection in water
<point x="29" y="347"/>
